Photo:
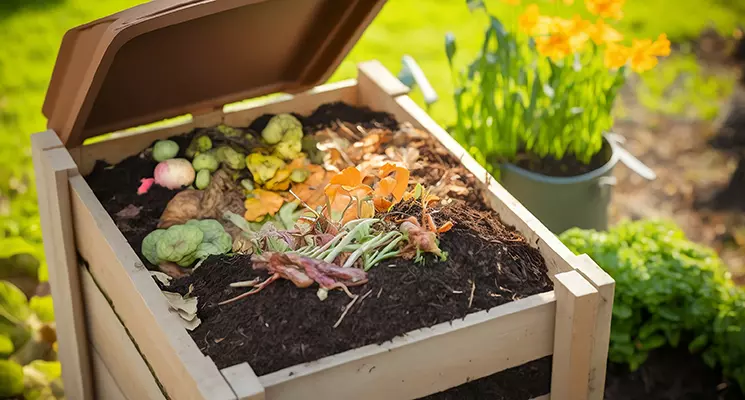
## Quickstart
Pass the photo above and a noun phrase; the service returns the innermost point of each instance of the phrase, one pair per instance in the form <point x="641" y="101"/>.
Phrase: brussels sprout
<point x="231" y="158"/>
<point x="203" y="179"/>
<point x="179" y="244"/>
<point x="279" y="126"/>
<point x="299" y="175"/>
<point x="149" y="246"/>
<point x="164" y="150"/>
<point x="263" y="167"/>
<point x="199" y="144"/>
<point x="205" y="161"/>
<point x="215" y="241"/>
<point x="288" y="150"/>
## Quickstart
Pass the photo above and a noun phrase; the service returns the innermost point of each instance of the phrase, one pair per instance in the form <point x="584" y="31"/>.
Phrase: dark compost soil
<point x="525" y="382"/>
<point x="283" y="325"/>
<point x="668" y="374"/>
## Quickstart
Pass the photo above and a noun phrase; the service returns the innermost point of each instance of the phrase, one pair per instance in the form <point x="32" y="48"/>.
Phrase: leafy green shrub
<point x="668" y="290"/>
<point x="27" y="345"/>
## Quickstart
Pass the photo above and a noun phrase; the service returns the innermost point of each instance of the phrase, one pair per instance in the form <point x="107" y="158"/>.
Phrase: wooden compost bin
<point x="117" y="337"/>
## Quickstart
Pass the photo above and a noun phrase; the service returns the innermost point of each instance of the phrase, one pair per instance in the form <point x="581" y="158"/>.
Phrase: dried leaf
<point x="264" y="202"/>
<point x="163" y="278"/>
<point x="185" y="307"/>
<point x="129" y="211"/>
<point x="184" y="206"/>
<point x="311" y="191"/>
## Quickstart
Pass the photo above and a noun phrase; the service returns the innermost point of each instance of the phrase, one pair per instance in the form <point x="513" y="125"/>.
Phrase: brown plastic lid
<point x="173" y="57"/>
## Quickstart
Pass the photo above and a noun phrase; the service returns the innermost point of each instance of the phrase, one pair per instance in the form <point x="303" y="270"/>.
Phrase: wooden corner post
<point x="576" y="313"/>
<point x="606" y="288"/>
<point x="53" y="167"/>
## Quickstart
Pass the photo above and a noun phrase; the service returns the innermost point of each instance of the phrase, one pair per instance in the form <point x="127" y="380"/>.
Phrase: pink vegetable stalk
<point x="145" y="185"/>
<point x="174" y="173"/>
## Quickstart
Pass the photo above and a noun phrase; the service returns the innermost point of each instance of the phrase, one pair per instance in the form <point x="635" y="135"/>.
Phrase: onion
<point x="174" y="173"/>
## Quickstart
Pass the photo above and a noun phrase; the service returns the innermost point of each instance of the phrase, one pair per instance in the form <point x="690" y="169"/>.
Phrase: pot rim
<point x="567" y="180"/>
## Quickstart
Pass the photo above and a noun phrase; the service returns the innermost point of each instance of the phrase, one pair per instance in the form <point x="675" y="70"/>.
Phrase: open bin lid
<point x="173" y="57"/>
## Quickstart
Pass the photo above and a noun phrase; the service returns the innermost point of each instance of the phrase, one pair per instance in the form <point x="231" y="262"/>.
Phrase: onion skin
<point x="174" y="173"/>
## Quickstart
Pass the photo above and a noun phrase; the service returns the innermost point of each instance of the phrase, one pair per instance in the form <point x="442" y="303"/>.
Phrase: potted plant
<point x="535" y="107"/>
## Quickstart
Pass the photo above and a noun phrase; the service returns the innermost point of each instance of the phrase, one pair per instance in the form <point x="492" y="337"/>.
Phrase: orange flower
<point x="394" y="180"/>
<point x="264" y="202"/>
<point x="661" y="46"/>
<point x="616" y="55"/>
<point x="512" y="2"/>
<point x="644" y="53"/>
<point x="564" y="37"/>
<point x="602" y="33"/>
<point x="606" y="8"/>
<point x="533" y="23"/>
<point x="529" y="19"/>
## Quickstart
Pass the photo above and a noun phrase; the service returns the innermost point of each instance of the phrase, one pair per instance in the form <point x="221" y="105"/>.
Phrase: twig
<point x="369" y="292"/>
<point x="346" y="310"/>
<point x="473" y="289"/>
<point x="379" y="292"/>
<point x="242" y="284"/>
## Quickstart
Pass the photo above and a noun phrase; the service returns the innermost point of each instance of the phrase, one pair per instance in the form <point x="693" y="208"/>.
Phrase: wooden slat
<point x="179" y="365"/>
<point x="244" y="382"/>
<point x="106" y="386"/>
<point x="53" y="166"/>
<point x="117" y="149"/>
<point x="121" y="146"/>
<point x="606" y="288"/>
<point x="428" y="360"/>
<point x="576" y="312"/>
<point x="404" y="109"/>
<point x="302" y="103"/>
<point x="114" y="346"/>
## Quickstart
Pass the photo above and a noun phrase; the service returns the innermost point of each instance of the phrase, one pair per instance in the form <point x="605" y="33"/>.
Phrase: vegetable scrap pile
<point x="314" y="219"/>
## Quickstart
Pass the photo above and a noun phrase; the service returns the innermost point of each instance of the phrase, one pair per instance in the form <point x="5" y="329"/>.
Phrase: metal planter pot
<point x="561" y="203"/>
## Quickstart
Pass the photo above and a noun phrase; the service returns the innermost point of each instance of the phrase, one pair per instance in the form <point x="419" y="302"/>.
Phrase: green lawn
<point x="31" y="30"/>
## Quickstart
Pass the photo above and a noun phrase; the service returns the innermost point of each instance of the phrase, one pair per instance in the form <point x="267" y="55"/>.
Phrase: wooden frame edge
<point x="114" y="148"/>
<point x="483" y="343"/>
<point x="243" y="380"/>
<point x="111" y="341"/>
<point x="53" y="166"/>
<point x="576" y="313"/>
<point x="606" y="288"/>
<point x="179" y="365"/>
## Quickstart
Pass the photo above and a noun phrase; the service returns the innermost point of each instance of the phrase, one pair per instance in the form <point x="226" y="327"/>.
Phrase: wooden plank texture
<point x="244" y="382"/>
<point x="124" y="145"/>
<point x="606" y="288"/>
<point x="576" y="312"/>
<point x="301" y="103"/>
<point x="53" y="166"/>
<point x="179" y="365"/>
<point x="105" y="384"/>
<point x="113" y="345"/>
<point x="428" y="360"/>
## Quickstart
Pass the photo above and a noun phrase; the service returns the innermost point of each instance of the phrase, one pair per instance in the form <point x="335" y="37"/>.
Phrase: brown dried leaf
<point x="184" y="206"/>
<point x="129" y="211"/>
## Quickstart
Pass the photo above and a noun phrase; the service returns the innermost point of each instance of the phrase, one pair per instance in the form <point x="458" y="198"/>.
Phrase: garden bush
<point x="669" y="292"/>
